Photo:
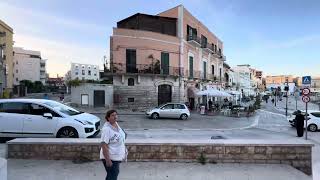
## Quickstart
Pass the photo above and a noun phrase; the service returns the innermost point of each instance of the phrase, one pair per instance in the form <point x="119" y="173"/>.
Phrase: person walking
<point x="113" y="150"/>
<point x="299" y="123"/>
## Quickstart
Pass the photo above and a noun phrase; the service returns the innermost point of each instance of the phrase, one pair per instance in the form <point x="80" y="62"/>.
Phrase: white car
<point x="44" y="118"/>
<point x="169" y="110"/>
<point x="313" y="120"/>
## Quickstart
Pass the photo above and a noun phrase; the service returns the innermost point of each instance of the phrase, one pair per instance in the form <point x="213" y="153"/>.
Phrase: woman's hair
<point x="109" y="113"/>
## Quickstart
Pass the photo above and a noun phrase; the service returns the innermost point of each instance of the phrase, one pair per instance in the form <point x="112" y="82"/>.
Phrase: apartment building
<point x="84" y="71"/>
<point x="6" y="57"/>
<point x="28" y="65"/>
<point x="162" y="58"/>
<point x="280" y="79"/>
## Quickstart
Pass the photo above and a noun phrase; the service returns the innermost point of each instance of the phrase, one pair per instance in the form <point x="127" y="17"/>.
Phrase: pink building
<point x="162" y="58"/>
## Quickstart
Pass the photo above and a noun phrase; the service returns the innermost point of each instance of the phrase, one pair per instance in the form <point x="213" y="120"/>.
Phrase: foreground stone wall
<point x="3" y="169"/>
<point x="295" y="154"/>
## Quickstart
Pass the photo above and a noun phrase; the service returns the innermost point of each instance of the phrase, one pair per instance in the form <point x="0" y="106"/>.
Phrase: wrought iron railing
<point x="193" y="38"/>
<point x="156" y="69"/>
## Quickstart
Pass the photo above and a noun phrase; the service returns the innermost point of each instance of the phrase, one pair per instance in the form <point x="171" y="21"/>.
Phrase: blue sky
<point x="275" y="36"/>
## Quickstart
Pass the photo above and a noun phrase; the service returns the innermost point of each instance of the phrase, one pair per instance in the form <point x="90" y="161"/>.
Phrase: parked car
<point x="169" y="110"/>
<point x="44" y="118"/>
<point x="313" y="119"/>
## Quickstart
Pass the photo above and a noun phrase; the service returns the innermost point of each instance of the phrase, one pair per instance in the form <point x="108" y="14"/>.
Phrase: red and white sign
<point x="306" y="99"/>
<point x="305" y="91"/>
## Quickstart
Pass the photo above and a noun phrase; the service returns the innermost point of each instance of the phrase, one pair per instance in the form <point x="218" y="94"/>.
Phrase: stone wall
<point x="296" y="154"/>
<point x="3" y="169"/>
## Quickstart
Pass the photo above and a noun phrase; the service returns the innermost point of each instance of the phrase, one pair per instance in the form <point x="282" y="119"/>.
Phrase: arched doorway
<point x="226" y="77"/>
<point x="164" y="94"/>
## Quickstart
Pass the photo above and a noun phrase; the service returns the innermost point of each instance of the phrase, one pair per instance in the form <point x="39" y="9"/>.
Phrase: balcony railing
<point x="153" y="69"/>
<point x="194" y="40"/>
<point x="208" y="47"/>
<point x="192" y="74"/>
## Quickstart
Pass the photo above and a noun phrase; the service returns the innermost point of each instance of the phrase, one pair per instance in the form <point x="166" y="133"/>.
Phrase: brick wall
<point x="295" y="154"/>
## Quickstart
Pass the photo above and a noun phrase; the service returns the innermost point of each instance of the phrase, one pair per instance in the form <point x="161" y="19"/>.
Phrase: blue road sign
<point x="306" y="80"/>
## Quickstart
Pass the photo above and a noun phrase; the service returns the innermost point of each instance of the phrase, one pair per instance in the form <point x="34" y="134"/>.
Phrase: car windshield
<point x="63" y="108"/>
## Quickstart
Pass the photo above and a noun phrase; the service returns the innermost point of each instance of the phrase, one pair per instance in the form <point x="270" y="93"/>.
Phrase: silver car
<point x="169" y="110"/>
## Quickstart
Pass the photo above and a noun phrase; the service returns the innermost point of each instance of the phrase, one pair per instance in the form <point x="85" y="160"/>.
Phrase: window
<point x="16" y="70"/>
<point x="89" y="72"/>
<point x="130" y="99"/>
<point x="130" y="82"/>
<point x="89" y="67"/>
<point x="83" y="72"/>
<point x="95" y="74"/>
<point x="316" y="114"/>
<point x="16" y="62"/>
<point x="164" y="63"/>
<point x="82" y="66"/>
<point x="76" y="73"/>
<point x="131" y="61"/>
<point x="94" y="67"/>
<point x="179" y="106"/>
<point x="38" y="110"/>
<point x="15" y="107"/>
<point x="212" y="69"/>
<point x="203" y="41"/>
<point x="77" y="66"/>
<point x="168" y="106"/>
<point x="17" y="79"/>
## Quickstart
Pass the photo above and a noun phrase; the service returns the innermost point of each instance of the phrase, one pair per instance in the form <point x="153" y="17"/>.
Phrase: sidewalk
<point x="52" y="170"/>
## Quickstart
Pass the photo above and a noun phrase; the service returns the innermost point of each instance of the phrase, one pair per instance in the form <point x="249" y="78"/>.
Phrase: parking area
<point x="196" y="121"/>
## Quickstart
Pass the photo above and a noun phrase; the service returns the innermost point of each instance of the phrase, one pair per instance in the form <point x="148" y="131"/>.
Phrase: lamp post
<point x="287" y="89"/>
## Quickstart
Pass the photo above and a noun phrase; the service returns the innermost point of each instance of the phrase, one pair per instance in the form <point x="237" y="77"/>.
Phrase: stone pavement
<point x="53" y="170"/>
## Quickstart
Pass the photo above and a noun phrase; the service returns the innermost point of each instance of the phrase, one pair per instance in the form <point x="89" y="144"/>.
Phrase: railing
<point x="208" y="46"/>
<point x="156" y="69"/>
<point x="192" y="74"/>
<point x="194" y="38"/>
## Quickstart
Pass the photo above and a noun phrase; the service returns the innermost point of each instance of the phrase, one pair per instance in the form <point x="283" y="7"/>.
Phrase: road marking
<point x="273" y="113"/>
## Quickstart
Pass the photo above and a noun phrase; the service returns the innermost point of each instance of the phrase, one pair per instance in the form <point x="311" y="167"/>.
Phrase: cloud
<point x="294" y="42"/>
<point x="59" y="55"/>
<point x="56" y="37"/>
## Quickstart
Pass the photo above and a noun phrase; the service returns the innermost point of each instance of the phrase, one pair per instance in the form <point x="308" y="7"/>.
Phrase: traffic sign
<point x="305" y="91"/>
<point x="306" y="99"/>
<point x="306" y="80"/>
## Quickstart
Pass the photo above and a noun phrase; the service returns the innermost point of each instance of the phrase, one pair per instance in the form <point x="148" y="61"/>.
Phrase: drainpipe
<point x="180" y="35"/>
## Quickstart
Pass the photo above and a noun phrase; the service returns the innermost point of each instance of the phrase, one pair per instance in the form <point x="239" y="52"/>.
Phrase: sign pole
<point x="306" y="119"/>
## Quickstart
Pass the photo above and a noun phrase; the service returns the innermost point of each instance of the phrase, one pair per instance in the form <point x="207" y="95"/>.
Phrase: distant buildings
<point x="84" y="72"/>
<point x="6" y="57"/>
<point x="162" y="58"/>
<point x="28" y="65"/>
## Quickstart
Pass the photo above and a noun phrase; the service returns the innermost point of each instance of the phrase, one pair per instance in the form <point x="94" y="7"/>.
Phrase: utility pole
<point x="287" y="89"/>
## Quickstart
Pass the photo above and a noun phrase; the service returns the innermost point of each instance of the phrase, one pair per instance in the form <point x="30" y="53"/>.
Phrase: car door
<point x="315" y="119"/>
<point x="166" y="111"/>
<point x="12" y="116"/>
<point x="178" y="110"/>
<point x="36" y="125"/>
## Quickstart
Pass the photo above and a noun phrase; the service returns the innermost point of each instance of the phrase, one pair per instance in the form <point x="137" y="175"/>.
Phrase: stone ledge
<point x="229" y="142"/>
<point x="3" y="169"/>
<point x="295" y="153"/>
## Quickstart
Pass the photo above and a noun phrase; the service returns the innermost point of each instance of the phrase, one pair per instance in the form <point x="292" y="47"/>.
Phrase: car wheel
<point x="155" y="116"/>
<point x="312" y="127"/>
<point x="184" y="116"/>
<point x="67" y="132"/>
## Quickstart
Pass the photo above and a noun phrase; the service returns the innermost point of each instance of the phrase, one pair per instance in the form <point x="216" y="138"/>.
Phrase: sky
<point x="279" y="37"/>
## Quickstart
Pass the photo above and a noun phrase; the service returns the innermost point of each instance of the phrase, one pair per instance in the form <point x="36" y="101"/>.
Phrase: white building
<point x="242" y="74"/>
<point x="28" y="65"/>
<point x="84" y="71"/>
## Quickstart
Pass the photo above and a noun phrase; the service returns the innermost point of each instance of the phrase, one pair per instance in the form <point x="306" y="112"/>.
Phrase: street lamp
<point x="286" y="88"/>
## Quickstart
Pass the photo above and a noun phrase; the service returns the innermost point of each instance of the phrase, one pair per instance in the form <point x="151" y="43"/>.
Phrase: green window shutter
<point x="164" y="63"/>
<point x="204" y="70"/>
<point x="190" y="67"/>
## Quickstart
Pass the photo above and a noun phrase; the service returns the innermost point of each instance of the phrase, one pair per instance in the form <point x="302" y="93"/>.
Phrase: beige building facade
<point x="280" y="79"/>
<point x="6" y="48"/>
<point x="164" y="58"/>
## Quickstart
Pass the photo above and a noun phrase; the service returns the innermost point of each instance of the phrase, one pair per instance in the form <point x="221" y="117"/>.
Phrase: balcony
<point x="194" y="40"/>
<point x="208" y="47"/>
<point x="192" y="74"/>
<point x="146" y="69"/>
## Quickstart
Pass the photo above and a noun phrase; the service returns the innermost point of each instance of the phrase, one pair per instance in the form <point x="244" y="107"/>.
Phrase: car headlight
<point x="84" y="122"/>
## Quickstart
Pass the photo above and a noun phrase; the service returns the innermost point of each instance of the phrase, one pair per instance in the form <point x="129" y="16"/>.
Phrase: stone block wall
<point x="295" y="154"/>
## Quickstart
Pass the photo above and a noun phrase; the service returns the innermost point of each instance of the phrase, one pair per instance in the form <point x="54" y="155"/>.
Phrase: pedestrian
<point x="299" y="123"/>
<point x="210" y="105"/>
<point x="272" y="100"/>
<point x="113" y="150"/>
